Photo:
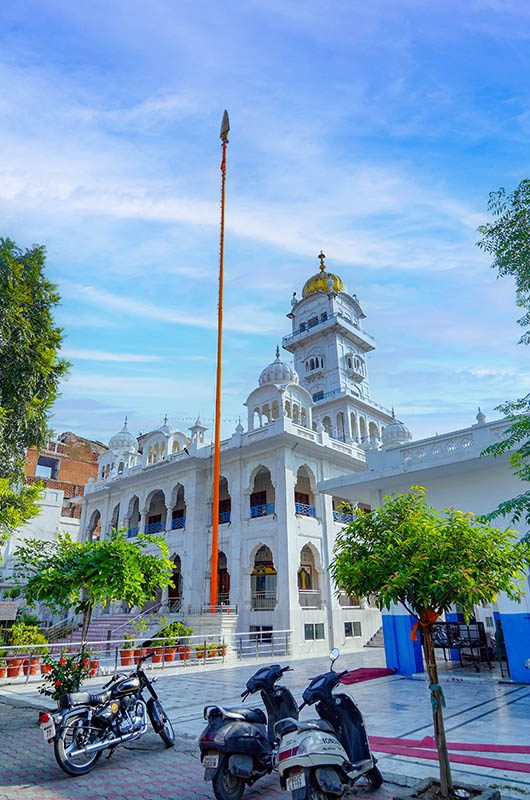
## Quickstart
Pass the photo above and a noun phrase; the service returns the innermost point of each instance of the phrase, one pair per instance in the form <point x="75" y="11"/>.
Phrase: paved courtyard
<point x="479" y="710"/>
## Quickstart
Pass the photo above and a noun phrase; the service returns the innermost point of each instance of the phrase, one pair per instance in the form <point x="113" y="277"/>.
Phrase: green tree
<point x="406" y="552"/>
<point x="507" y="239"/>
<point x="66" y="573"/>
<point x="30" y="372"/>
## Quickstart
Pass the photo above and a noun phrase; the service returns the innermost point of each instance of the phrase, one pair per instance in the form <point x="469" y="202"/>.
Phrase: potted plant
<point x="140" y="627"/>
<point x="23" y="635"/>
<point x="183" y="633"/>
<point x="3" y="667"/>
<point x="66" y="674"/>
<point x="211" y="650"/>
<point x="93" y="663"/>
<point x="127" y="650"/>
<point x="171" y="639"/>
<point x="200" y="651"/>
<point x="222" y="650"/>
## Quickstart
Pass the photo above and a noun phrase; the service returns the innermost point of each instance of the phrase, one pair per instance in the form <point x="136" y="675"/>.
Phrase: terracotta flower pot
<point x="94" y="664"/>
<point x="170" y="653"/>
<point x="3" y="672"/>
<point x="157" y="655"/>
<point x="184" y="653"/>
<point x="126" y="657"/>
<point x="14" y="666"/>
<point x="212" y="653"/>
<point x="200" y="654"/>
<point x="45" y="669"/>
<point x="31" y="666"/>
<point x="222" y="650"/>
<point x="137" y="654"/>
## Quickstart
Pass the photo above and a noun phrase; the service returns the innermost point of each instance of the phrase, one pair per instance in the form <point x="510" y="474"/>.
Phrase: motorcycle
<point x="239" y="745"/>
<point x="86" y="724"/>
<point x="321" y="759"/>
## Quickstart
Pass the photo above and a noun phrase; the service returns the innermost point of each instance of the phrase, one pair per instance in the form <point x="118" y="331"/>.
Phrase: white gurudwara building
<point x="307" y="423"/>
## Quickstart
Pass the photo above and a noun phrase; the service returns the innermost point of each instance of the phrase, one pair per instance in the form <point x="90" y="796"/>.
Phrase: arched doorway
<point x="94" y="527"/>
<point x="263" y="581"/>
<point x="308" y="580"/>
<point x="223" y="580"/>
<point x="174" y="595"/>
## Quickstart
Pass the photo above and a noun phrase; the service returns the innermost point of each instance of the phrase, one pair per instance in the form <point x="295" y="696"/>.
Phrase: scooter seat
<point x="286" y="726"/>
<point x="316" y="725"/>
<point x="251" y="714"/>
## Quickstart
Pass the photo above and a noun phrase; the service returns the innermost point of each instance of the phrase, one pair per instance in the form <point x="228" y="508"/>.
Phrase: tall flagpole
<point x="225" y="128"/>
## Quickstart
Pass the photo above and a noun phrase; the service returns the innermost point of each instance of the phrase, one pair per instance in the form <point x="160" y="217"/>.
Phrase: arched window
<point x="288" y="408"/>
<point x="275" y="409"/>
<point x="178" y="513"/>
<point x="304" y="500"/>
<point x="263" y="581"/>
<point x="326" y="422"/>
<point x="176" y="446"/>
<point x="225" y="501"/>
<point x="263" y="496"/>
<point x="156" y="513"/>
<point x="94" y="527"/>
<point x="296" y="413"/>
<point x="349" y="362"/>
<point x="133" y="514"/>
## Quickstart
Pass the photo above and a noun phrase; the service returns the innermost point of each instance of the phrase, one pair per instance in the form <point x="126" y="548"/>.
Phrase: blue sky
<point x="372" y="130"/>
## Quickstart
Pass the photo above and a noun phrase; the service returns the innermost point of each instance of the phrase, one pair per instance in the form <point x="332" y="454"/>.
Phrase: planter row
<point x="130" y="657"/>
<point x="23" y="664"/>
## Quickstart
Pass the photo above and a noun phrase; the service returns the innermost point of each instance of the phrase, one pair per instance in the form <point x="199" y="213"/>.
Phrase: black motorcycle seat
<point x="286" y="726"/>
<point x="251" y="714"/>
<point x="86" y="698"/>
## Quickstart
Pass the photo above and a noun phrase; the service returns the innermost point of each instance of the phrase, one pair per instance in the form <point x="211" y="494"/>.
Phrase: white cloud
<point x="83" y="354"/>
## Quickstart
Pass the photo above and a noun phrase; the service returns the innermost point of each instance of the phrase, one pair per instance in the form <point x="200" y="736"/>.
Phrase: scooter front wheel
<point x="374" y="777"/>
<point x="225" y="785"/>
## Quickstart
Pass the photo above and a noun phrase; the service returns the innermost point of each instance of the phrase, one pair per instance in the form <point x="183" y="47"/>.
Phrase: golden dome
<point x="323" y="281"/>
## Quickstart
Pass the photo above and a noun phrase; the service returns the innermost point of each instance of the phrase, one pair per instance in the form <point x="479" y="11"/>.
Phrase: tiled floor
<point x="479" y="710"/>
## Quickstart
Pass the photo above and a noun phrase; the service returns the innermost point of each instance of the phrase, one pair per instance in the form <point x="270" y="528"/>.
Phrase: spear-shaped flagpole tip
<point x="225" y="127"/>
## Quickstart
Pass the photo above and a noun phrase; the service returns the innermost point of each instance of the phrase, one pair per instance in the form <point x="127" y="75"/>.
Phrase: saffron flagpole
<point x="225" y="128"/>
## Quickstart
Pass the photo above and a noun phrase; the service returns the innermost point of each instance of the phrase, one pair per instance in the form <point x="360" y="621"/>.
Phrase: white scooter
<point x="319" y="760"/>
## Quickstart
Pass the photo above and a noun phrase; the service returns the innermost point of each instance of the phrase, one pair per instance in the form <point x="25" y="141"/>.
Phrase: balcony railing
<point x="262" y="511"/>
<point x="223" y="599"/>
<point x="178" y="523"/>
<point x="263" y="601"/>
<point x="340" y="516"/>
<point x="305" y="510"/>
<point x="224" y="516"/>
<point x="132" y="532"/>
<point x="155" y="527"/>
<point x="309" y="598"/>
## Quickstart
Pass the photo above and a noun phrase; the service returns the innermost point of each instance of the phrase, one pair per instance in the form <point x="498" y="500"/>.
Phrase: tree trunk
<point x="87" y="615"/>
<point x="446" y="780"/>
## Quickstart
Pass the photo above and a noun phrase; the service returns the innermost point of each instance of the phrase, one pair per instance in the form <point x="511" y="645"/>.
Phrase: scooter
<point x="239" y="745"/>
<point x="319" y="760"/>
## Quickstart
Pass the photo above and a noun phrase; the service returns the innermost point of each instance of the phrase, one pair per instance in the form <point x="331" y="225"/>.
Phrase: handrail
<point x="156" y="607"/>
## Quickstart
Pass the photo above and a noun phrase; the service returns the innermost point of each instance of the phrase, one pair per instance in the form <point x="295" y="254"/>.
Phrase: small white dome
<point x="279" y="372"/>
<point x="395" y="433"/>
<point x="123" y="441"/>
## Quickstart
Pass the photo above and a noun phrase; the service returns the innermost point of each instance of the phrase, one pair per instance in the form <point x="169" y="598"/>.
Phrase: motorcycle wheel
<point x="75" y="733"/>
<point x="225" y="785"/>
<point x="374" y="777"/>
<point x="167" y="734"/>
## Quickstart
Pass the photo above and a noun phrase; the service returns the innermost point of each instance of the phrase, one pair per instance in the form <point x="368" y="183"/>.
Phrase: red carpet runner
<point x="366" y="674"/>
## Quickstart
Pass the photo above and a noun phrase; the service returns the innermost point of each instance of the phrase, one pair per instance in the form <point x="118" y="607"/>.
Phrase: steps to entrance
<point x="377" y="639"/>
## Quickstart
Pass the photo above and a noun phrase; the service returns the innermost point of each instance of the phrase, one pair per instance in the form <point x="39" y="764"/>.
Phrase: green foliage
<point x="67" y="674"/>
<point x="507" y="239"/>
<point x="174" y="633"/>
<point x="30" y="372"/>
<point x="406" y="552"/>
<point x="23" y="615"/>
<point x="65" y="573"/>
<point x="21" y="635"/>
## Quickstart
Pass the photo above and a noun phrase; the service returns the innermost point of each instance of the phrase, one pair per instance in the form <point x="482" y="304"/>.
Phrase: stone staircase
<point x="377" y="639"/>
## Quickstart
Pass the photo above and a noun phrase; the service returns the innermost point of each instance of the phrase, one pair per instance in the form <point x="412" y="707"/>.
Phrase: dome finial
<point x="277" y="352"/>
<point x="393" y="413"/>
<point x="125" y="423"/>
<point x="165" y="419"/>
<point x="322" y="256"/>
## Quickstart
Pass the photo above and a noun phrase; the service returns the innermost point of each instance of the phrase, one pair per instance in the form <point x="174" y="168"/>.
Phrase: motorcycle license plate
<point x="295" y="782"/>
<point x="210" y="762"/>
<point x="48" y="729"/>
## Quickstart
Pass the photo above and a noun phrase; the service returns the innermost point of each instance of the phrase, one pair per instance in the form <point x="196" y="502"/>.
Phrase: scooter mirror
<point x="334" y="654"/>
